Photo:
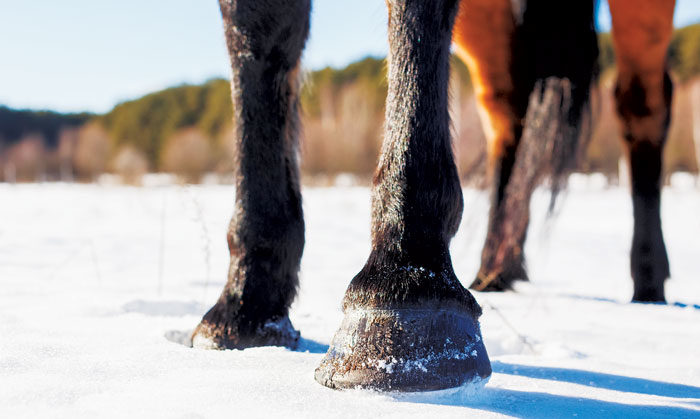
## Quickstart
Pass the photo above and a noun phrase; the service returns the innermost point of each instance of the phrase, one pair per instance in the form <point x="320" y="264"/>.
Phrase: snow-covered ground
<point x="97" y="281"/>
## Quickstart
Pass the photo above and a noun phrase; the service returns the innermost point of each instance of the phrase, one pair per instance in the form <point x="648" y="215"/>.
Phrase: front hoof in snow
<point x="278" y="332"/>
<point x="405" y="350"/>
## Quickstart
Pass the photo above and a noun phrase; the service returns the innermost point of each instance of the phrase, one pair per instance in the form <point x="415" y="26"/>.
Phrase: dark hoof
<point x="649" y="296"/>
<point x="405" y="350"/>
<point x="499" y="281"/>
<point x="649" y="272"/>
<point x="279" y="332"/>
<point x="491" y="284"/>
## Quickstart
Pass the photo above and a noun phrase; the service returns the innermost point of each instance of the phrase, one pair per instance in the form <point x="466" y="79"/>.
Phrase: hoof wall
<point x="279" y="332"/>
<point x="405" y="350"/>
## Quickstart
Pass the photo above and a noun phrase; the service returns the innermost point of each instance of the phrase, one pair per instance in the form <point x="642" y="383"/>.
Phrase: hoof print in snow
<point x="279" y="332"/>
<point x="405" y="350"/>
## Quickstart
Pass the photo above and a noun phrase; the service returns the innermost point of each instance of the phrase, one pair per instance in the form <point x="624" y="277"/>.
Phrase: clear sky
<point x="74" y="55"/>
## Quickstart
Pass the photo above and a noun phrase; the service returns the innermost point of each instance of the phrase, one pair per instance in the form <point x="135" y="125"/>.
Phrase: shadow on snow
<point x="533" y="404"/>
<point x="184" y="337"/>
<point x="600" y="380"/>
<point x="678" y="304"/>
<point x="543" y="405"/>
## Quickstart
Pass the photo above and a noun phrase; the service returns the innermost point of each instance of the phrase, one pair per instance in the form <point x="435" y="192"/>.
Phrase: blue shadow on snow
<point x="600" y="380"/>
<point x="533" y="404"/>
<point x="677" y="304"/>
<point x="311" y="346"/>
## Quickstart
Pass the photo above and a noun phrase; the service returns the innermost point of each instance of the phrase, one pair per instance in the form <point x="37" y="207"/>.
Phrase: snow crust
<point x="101" y="285"/>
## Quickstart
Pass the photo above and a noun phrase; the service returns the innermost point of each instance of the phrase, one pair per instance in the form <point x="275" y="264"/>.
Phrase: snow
<point x="98" y="284"/>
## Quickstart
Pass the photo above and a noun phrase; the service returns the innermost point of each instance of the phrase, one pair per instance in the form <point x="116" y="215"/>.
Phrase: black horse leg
<point x="643" y="94"/>
<point x="409" y="324"/>
<point x="266" y="235"/>
<point x="649" y="261"/>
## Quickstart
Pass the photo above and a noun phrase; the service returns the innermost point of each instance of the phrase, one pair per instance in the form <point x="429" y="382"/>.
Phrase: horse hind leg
<point x="409" y="324"/>
<point x="266" y="234"/>
<point x="484" y="37"/>
<point x="641" y="34"/>
<point x="532" y="67"/>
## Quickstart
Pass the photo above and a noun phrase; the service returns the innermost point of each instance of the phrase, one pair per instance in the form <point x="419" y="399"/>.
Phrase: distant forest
<point x="187" y="129"/>
<point x="15" y="124"/>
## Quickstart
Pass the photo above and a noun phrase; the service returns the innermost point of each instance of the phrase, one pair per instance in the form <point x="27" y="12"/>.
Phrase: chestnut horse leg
<point x="484" y="36"/>
<point x="409" y="324"/>
<point x="266" y="235"/>
<point x="531" y="62"/>
<point x="641" y="34"/>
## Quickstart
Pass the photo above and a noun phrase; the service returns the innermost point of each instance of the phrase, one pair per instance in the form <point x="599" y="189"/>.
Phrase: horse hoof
<point x="491" y="284"/>
<point x="405" y="350"/>
<point x="500" y="280"/>
<point x="279" y="332"/>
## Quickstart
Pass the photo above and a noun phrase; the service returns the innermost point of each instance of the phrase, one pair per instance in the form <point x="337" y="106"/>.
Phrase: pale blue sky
<point x="74" y="55"/>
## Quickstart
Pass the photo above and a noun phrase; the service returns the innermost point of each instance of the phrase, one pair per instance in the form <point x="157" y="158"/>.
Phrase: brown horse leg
<point x="266" y="235"/>
<point x="641" y="33"/>
<point x="531" y="62"/>
<point x="484" y="36"/>
<point x="409" y="324"/>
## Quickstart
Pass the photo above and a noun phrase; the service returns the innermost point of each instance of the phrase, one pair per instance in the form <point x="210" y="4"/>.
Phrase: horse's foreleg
<point x="641" y="33"/>
<point x="266" y="235"/>
<point x="409" y="324"/>
<point x="484" y="37"/>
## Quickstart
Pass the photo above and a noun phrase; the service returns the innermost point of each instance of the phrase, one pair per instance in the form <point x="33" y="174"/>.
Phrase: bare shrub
<point x="679" y="153"/>
<point x="92" y="151"/>
<point x="695" y="101"/>
<point x="26" y="160"/>
<point x="469" y="141"/>
<point x="188" y="155"/>
<point x="67" y="144"/>
<point x="346" y="136"/>
<point x="224" y="156"/>
<point x="605" y="148"/>
<point x="131" y="164"/>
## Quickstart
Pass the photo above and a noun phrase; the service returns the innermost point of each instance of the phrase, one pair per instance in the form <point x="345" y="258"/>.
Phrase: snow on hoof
<point x="405" y="350"/>
<point x="279" y="332"/>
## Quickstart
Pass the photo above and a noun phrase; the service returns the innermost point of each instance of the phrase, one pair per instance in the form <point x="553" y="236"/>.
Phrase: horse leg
<point x="641" y="33"/>
<point x="484" y="37"/>
<point x="409" y="324"/>
<point x="532" y="64"/>
<point x="266" y="234"/>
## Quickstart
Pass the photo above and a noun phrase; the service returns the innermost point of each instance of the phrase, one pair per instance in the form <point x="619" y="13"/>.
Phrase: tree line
<point x="187" y="129"/>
